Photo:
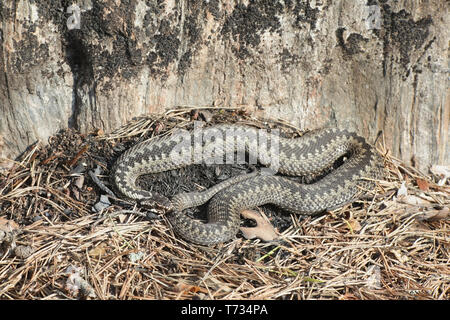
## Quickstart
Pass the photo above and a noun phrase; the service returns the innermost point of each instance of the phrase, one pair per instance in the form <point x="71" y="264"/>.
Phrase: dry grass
<point x="54" y="247"/>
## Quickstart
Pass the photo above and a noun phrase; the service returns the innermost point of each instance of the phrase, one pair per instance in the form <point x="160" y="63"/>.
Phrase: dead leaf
<point x="422" y="184"/>
<point x="349" y="296"/>
<point x="404" y="197"/>
<point x="412" y="200"/>
<point x="98" y="132"/>
<point x="263" y="230"/>
<point x="185" y="288"/>
<point x="23" y="252"/>
<point x="353" y="224"/>
<point x="8" y="225"/>
<point x="434" y="215"/>
<point x="98" y="251"/>
<point x="419" y="225"/>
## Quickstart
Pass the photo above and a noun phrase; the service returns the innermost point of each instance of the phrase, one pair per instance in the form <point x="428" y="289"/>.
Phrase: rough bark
<point x="366" y="65"/>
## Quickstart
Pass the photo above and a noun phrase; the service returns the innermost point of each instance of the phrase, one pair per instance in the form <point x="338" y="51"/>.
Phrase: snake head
<point x="158" y="201"/>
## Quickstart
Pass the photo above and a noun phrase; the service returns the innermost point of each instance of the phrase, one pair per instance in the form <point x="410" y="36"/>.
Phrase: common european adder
<point x="312" y="155"/>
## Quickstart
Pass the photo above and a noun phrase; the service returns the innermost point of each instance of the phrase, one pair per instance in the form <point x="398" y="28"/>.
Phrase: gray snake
<point x="307" y="156"/>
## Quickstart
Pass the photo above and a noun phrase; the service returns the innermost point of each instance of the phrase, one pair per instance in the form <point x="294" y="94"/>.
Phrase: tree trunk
<point x="364" y="65"/>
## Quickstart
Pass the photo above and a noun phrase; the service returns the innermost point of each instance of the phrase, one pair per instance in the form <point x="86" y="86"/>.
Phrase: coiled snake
<point x="308" y="156"/>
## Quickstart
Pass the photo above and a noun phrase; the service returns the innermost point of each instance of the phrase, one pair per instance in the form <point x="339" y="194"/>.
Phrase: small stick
<point x="71" y="162"/>
<point x="100" y="184"/>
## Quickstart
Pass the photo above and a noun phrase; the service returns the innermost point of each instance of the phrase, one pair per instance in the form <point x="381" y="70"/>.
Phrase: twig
<point x="100" y="184"/>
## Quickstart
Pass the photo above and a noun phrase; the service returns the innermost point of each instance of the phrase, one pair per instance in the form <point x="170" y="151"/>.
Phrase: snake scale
<point x="311" y="155"/>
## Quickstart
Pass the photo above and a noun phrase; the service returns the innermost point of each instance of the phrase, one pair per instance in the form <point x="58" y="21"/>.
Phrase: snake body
<point x="307" y="156"/>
